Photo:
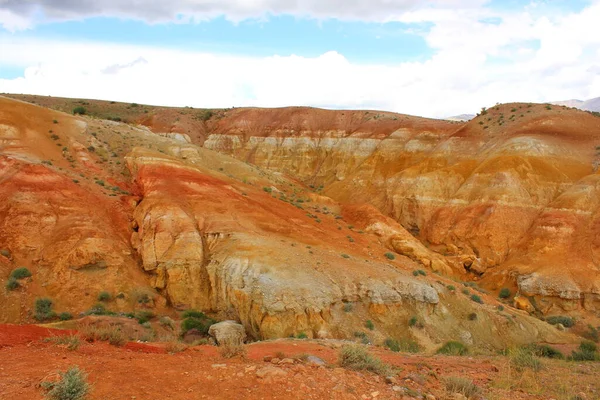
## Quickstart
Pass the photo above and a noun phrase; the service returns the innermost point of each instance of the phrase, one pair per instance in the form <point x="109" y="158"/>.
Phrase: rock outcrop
<point x="228" y="333"/>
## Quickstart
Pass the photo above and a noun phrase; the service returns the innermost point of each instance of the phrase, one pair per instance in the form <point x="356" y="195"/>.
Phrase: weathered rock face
<point x="509" y="194"/>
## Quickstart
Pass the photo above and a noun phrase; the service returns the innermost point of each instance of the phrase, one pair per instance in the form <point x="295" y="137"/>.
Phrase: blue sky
<point x="432" y="58"/>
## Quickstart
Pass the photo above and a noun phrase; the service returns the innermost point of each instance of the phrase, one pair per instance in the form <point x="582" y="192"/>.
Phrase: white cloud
<point x="157" y="11"/>
<point x="521" y="57"/>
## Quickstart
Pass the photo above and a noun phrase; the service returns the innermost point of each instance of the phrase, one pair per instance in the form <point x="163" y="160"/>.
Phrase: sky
<point x="433" y="58"/>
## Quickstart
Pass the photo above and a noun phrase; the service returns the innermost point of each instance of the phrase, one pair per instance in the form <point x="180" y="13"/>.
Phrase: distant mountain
<point x="587" y="105"/>
<point x="461" y="117"/>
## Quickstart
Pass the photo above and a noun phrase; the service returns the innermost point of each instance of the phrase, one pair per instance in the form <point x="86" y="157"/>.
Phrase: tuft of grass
<point x="302" y="335"/>
<point x="20" y="273"/>
<point x="72" y="385"/>
<point x="464" y="386"/>
<point x="451" y="287"/>
<point x="390" y="256"/>
<point x="412" y="321"/>
<point x="357" y="358"/>
<point x="453" y="348"/>
<point x="504" y="293"/>
<point x="369" y="325"/>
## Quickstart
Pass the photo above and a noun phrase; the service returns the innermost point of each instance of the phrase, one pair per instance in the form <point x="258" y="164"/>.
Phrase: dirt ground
<point x="147" y="371"/>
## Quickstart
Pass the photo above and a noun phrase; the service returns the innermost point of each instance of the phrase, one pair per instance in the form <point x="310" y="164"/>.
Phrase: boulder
<point x="228" y="333"/>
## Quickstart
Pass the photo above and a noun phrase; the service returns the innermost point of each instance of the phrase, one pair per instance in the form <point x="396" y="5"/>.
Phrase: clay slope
<point x="90" y="205"/>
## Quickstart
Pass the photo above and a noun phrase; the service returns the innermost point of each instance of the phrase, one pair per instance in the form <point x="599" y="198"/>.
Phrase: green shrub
<point x="302" y="335"/>
<point x="43" y="309"/>
<point x="500" y="307"/>
<point x="65" y="316"/>
<point x="345" y="255"/>
<point x="453" y="348"/>
<point x="477" y="299"/>
<point x="104" y="296"/>
<point x="369" y="325"/>
<point x="20" y="273"/>
<point x="451" y="287"/>
<point x="421" y="272"/>
<point x="196" y="320"/>
<point x="415" y="273"/>
<point x="504" y="293"/>
<point x="567" y="322"/>
<point x="412" y="321"/>
<point x="12" y="284"/>
<point x="79" y="110"/>
<point x="390" y="256"/>
<point x="357" y="358"/>
<point x="144" y="316"/>
<point x="464" y="386"/>
<point x="71" y="386"/>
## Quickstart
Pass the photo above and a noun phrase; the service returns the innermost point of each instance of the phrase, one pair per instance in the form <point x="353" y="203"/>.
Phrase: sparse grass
<point x="464" y="386"/>
<point x="567" y="322"/>
<point x="228" y="350"/>
<point x="348" y="307"/>
<point x="357" y="358"/>
<point x="144" y="316"/>
<point x="302" y="335"/>
<point x="72" y="342"/>
<point x="72" y="385"/>
<point x="20" y="273"/>
<point x="453" y="348"/>
<point x="524" y="358"/>
<point x="369" y="325"/>
<point x="167" y="322"/>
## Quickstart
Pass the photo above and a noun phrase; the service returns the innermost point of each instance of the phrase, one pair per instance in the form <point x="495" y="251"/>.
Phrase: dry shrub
<point x="464" y="386"/>
<point x="175" y="347"/>
<point x="358" y="358"/>
<point x="71" y="342"/>
<point x="232" y="350"/>
<point x="106" y="333"/>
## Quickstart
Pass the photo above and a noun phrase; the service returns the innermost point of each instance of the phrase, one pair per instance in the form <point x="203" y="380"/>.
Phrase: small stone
<point x="250" y="368"/>
<point x="429" y="396"/>
<point x="275" y="360"/>
<point x="458" y="396"/>
<point x="581" y="396"/>
<point x="270" y="371"/>
<point x="391" y="380"/>
<point x="267" y="358"/>
<point x="399" y="389"/>
<point x="287" y="361"/>
<point x="374" y="394"/>
<point x="219" y="365"/>
<point x="314" y="360"/>
<point x="560" y="327"/>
